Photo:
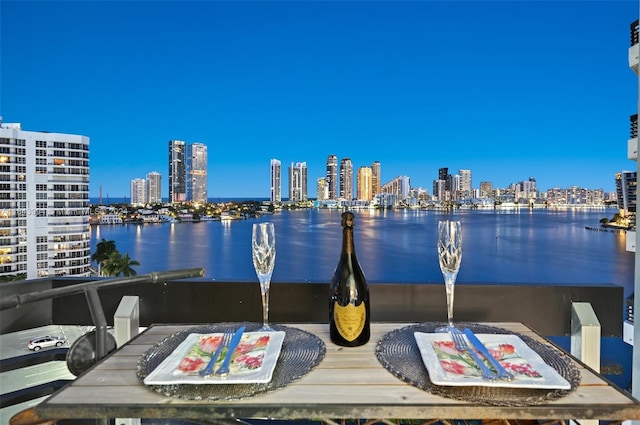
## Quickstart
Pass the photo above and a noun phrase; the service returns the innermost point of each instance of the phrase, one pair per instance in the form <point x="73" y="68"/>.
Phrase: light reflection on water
<point x="545" y="247"/>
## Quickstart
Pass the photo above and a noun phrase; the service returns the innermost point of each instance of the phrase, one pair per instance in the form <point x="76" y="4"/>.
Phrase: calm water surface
<point x="539" y="246"/>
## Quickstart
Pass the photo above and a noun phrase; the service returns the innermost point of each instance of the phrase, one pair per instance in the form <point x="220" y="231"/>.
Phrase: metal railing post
<point x="97" y="315"/>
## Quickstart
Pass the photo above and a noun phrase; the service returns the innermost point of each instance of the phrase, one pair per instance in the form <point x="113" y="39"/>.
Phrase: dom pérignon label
<point x="349" y="314"/>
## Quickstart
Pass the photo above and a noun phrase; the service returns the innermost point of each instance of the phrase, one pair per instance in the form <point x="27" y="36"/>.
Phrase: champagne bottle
<point x="349" y="313"/>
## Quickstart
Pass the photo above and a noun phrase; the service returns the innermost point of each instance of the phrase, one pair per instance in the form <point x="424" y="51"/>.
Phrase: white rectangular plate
<point x="447" y="366"/>
<point x="253" y="360"/>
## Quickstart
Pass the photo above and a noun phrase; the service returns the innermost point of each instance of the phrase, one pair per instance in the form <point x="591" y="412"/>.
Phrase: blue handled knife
<point x="223" y="370"/>
<point x="502" y="373"/>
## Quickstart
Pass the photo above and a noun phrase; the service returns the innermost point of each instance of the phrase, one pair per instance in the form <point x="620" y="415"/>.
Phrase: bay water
<point x="549" y="247"/>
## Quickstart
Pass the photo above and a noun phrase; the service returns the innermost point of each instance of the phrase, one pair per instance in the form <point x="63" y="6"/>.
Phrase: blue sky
<point x="508" y="89"/>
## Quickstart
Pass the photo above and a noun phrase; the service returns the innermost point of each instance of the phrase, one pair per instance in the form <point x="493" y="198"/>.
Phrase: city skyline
<point x="299" y="189"/>
<point x="414" y="85"/>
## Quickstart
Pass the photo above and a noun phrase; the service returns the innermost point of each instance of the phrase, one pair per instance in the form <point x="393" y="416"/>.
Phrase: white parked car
<point x="46" y="341"/>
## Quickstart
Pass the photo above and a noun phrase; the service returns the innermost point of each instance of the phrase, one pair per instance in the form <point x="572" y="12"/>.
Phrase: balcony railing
<point x="206" y="301"/>
<point x="74" y="301"/>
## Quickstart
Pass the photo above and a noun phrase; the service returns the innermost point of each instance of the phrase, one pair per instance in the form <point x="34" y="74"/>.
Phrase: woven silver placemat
<point x="399" y="354"/>
<point x="301" y="351"/>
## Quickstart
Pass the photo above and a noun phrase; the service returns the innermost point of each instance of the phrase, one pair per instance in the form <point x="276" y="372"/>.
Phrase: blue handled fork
<point x="461" y="345"/>
<point x="208" y="370"/>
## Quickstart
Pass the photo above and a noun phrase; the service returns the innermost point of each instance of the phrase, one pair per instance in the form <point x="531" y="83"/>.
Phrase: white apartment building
<point x="440" y="190"/>
<point x="332" y="177"/>
<point x="528" y="189"/>
<point x="465" y="189"/>
<point x="400" y="187"/>
<point x="298" y="182"/>
<point x="138" y="192"/>
<point x="346" y="179"/>
<point x="154" y="188"/>
<point x="276" y="185"/>
<point x="456" y="187"/>
<point x="44" y="204"/>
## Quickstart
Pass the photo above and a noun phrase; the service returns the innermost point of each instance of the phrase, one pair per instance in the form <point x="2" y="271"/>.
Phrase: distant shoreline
<point x="607" y="229"/>
<point x="106" y="201"/>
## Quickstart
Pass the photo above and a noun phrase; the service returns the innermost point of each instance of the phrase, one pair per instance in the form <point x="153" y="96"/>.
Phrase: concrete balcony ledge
<point x="631" y="240"/>
<point x="633" y="57"/>
<point x="627" y="332"/>
<point x="632" y="149"/>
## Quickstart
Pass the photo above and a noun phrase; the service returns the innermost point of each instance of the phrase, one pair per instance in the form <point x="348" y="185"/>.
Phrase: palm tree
<point x="104" y="248"/>
<point x="117" y="264"/>
<point x="111" y="264"/>
<point x="126" y="265"/>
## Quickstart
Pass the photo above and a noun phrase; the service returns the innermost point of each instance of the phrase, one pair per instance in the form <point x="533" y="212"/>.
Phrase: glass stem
<point x="265" y="308"/>
<point x="449" y="284"/>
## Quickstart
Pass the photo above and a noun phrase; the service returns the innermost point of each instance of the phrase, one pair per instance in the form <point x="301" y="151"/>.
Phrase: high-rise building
<point x="364" y="185"/>
<point x="44" y="204"/>
<point x="465" y="184"/>
<point x="419" y="193"/>
<point x="631" y="331"/>
<point x="440" y="191"/>
<point x="454" y="186"/>
<point x="138" y="192"/>
<point x="486" y="189"/>
<point x="197" y="173"/>
<point x="376" y="177"/>
<point x="346" y="179"/>
<point x="276" y="184"/>
<point x="177" y="171"/>
<point x="332" y="176"/>
<point x="627" y="191"/>
<point x="322" y="189"/>
<point x="443" y="174"/>
<point x="298" y="182"/>
<point x="400" y="187"/>
<point x="154" y="188"/>
<point x="528" y="189"/>
<point x="574" y="195"/>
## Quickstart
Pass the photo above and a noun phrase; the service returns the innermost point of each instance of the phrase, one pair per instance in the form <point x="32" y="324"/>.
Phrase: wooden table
<point x="348" y="383"/>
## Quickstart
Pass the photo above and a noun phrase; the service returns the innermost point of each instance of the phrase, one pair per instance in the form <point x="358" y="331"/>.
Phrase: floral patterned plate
<point x="448" y="366"/>
<point x="252" y="361"/>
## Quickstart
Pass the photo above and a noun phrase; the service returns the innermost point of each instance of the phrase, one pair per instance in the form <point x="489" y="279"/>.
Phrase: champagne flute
<point x="263" y="248"/>
<point x="450" y="255"/>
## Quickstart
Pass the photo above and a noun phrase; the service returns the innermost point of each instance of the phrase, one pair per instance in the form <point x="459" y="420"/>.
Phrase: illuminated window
<point x="58" y="161"/>
<point x="4" y="255"/>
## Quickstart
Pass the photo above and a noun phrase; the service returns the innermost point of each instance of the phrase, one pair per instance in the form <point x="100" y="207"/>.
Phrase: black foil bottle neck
<point x="347" y="233"/>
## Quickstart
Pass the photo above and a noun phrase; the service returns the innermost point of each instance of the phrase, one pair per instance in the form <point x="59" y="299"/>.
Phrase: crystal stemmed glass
<point x="263" y="248"/>
<point x="449" y="254"/>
